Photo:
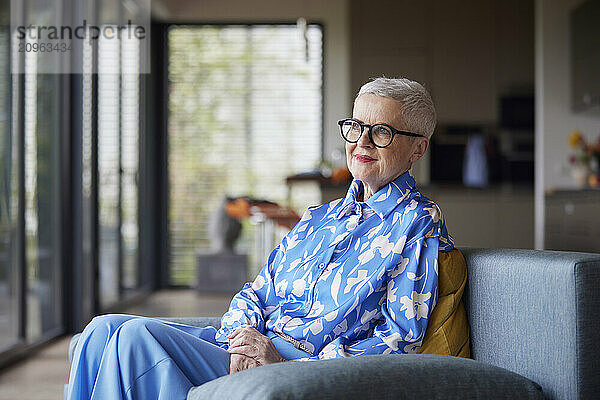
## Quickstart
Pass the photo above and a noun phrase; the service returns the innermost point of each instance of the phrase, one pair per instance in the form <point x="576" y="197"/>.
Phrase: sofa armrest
<point x="421" y="376"/>
<point x="200" y="322"/>
<point x="536" y="313"/>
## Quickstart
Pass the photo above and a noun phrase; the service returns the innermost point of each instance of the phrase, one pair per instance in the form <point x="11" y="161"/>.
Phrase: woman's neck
<point x="369" y="191"/>
<point x="366" y="193"/>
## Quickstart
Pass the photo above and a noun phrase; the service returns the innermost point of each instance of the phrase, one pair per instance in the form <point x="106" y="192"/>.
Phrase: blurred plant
<point x="585" y="156"/>
<point x="585" y="153"/>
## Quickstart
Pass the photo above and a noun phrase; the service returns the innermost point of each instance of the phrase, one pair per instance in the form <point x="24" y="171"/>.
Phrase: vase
<point x="580" y="173"/>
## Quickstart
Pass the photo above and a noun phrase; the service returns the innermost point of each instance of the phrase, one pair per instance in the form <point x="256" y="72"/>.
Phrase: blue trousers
<point x="130" y="357"/>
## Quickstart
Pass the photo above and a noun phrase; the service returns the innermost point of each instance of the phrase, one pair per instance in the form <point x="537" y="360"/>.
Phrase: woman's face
<point x="376" y="166"/>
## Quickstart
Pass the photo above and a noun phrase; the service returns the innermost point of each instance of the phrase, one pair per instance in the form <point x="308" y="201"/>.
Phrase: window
<point x="245" y="111"/>
<point x="69" y="164"/>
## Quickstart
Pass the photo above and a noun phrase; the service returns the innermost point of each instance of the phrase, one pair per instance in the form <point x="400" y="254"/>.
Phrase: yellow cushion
<point x="448" y="329"/>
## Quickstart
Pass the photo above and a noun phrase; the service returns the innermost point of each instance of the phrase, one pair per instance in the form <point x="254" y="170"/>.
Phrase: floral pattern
<point x="352" y="277"/>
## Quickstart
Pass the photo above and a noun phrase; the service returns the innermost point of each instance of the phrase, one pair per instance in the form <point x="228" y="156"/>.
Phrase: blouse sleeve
<point x="253" y="304"/>
<point x="411" y="294"/>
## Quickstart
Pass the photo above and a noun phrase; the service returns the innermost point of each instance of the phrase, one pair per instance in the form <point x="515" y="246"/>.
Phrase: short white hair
<point x="418" y="111"/>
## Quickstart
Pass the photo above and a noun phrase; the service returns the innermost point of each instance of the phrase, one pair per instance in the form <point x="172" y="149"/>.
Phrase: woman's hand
<point x="239" y="362"/>
<point x="249" y="348"/>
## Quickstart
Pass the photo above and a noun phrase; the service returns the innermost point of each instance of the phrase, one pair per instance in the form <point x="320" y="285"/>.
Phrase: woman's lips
<point x="363" y="159"/>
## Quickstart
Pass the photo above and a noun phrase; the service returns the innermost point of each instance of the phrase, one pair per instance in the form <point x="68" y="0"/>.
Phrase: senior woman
<point x="356" y="276"/>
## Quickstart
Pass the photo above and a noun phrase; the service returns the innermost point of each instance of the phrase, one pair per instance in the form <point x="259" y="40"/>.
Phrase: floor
<point x="43" y="375"/>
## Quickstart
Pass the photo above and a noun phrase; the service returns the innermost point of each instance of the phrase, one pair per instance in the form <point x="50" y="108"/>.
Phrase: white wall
<point x="333" y="14"/>
<point x="554" y="118"/>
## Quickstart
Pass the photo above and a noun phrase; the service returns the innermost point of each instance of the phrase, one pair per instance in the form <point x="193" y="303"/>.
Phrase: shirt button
<point x="322" y="265"/>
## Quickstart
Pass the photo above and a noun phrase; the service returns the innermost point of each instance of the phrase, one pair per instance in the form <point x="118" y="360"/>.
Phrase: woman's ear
<point x="420" y="149"/>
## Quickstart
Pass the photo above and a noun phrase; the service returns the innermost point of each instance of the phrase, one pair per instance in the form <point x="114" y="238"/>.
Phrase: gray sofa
<point x="535" y="334"/>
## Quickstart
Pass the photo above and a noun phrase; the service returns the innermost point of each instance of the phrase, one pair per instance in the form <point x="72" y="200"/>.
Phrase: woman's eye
<point x="381" y="131"/>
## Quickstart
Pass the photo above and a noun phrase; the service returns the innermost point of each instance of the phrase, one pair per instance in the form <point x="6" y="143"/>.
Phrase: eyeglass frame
<point x="362" y="130"/>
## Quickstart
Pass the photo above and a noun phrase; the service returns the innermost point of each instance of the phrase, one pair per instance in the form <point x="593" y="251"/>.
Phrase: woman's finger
<point x="240" y="330"/>
<point x="250" y="363"/>
<point x="238" y="363"/>
<point x="245" y="350"/>
<point x="240" y="341"/>
<point x="235" y="333"/>
<point x="245" y="338"/>
<point x="246" y="330"/>
<point x="246" y="346"/>
<point x="233" y="364"/>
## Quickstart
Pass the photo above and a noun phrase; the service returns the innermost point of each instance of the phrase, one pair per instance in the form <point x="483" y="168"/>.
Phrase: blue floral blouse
<point x="352" y="277"/>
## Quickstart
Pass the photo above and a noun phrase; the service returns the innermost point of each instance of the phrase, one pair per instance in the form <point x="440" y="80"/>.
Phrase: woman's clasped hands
<point x="249" y="348"/>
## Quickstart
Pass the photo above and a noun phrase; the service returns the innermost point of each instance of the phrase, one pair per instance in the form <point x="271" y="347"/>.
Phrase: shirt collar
<point x="382" y="202"/>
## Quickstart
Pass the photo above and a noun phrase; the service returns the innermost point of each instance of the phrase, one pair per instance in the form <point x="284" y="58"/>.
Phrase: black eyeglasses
<point x="381" y="135"/>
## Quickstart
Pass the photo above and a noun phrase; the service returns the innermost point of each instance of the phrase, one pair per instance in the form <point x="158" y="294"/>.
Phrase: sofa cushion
<point x="448" y="329"/>
<point x="410" y="376"/>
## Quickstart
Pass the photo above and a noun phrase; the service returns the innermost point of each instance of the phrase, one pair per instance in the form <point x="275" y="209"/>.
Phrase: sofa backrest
<point x="537" y="313"/>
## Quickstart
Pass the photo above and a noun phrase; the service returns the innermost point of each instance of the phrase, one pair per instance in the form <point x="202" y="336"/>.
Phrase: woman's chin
<point x="362" y="173"/>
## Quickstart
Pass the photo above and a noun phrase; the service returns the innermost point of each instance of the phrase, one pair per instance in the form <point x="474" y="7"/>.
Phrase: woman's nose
<point x="364" y="140"/>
